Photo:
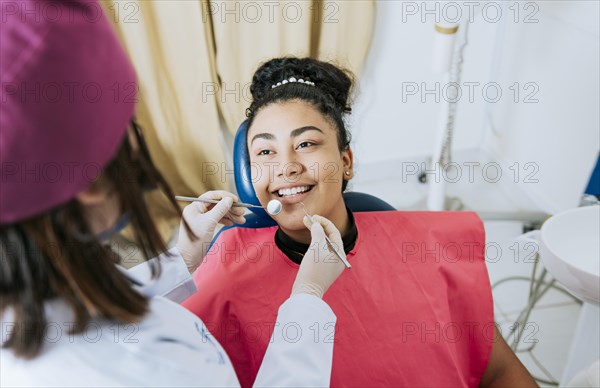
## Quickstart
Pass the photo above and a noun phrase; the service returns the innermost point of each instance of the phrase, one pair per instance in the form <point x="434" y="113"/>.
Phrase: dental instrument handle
<point x="342" y="258"/>
<point x="194" y="199"/>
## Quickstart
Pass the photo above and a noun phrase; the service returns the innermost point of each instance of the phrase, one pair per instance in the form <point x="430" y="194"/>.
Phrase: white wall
<point x="554" y="59"/>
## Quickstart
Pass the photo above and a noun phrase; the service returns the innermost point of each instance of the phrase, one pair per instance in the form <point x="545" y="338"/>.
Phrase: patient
<point x="415" y="309"/>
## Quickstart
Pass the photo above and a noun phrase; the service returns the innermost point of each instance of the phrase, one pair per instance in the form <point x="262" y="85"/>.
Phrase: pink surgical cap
<point x="67" y="94"/>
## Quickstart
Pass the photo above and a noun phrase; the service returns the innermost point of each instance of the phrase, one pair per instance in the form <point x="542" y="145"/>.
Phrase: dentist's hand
<point x="202" y="219"/>
<point x="320" y="266"/>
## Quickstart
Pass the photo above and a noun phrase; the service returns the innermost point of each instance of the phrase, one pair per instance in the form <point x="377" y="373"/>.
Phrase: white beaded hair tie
<point x="293" y="79"/>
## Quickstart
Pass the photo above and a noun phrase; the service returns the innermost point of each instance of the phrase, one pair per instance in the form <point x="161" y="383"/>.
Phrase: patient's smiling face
<point x="296" y="158"/>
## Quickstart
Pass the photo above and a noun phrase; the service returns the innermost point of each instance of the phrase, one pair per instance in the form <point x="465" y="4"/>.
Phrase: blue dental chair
<point x="357" y="202"/>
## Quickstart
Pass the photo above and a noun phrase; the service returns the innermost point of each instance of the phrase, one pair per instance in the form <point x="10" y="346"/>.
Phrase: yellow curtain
<point x="249" y="33"/>
<point x="166" y="41"/>
<point x="346" y="30"/>
<point x="195" y="58"/>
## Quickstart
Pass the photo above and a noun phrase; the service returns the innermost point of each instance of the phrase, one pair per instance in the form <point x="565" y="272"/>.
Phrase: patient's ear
<point x="348" y="163"/>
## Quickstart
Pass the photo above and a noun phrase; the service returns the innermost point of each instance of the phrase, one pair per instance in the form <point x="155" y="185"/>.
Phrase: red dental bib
<point x="415" y="309"/>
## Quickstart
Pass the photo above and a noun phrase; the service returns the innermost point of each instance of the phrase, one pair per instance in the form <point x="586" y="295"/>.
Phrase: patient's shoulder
<point x="420" y="221"/>
<point x="418" y="232"/>
<point x="464" y="216"/>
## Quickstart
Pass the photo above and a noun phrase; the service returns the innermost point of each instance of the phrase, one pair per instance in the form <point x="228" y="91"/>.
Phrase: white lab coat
<point x="169" y="347"/>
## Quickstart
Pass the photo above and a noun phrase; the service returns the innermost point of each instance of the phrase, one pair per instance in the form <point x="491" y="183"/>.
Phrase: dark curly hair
<point x="330" y="93"/>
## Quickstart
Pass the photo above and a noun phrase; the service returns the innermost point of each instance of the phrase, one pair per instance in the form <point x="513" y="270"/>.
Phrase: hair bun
<point x="332" y="80"/>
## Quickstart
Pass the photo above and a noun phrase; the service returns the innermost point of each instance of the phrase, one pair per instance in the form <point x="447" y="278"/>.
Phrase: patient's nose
<point x="290" y="169"/>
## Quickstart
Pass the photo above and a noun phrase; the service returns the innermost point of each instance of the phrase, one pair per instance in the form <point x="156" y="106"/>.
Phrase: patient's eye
<point x="305" y="144"/>
<point x="265" y="152"/>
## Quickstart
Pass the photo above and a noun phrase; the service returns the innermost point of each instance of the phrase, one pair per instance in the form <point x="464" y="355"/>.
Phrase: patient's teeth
<point x="293" y="190"/>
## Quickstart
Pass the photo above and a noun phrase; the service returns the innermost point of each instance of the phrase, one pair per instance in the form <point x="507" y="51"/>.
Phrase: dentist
<point x="74" y="169"/>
